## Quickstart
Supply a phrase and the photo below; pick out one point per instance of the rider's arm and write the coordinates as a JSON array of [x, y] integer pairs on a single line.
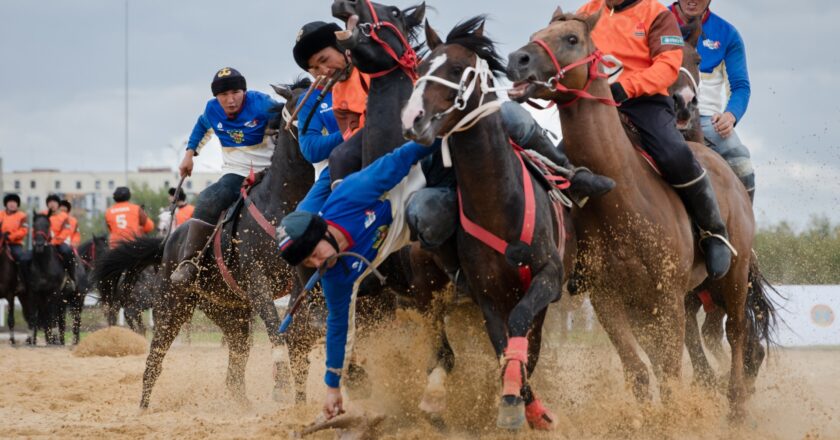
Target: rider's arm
[[20, 232], [364, 187], [338, 293], [145, 222], [201, 134], [64, 233], [315, 146], [665, 46], [735, 61]]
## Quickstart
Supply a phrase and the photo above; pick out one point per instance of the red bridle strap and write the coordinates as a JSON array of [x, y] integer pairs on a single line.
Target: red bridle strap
[[593, 60], [407, 62]]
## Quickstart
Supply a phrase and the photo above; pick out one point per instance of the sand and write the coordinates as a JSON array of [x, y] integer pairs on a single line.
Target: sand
[[50, 393], [111, 342]]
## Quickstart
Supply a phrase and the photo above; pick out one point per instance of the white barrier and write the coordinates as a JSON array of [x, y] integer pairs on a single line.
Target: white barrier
[[809, 315]]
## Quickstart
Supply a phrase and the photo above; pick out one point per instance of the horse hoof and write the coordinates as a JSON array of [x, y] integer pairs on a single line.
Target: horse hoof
[[539, 417], [433, 402], [282, 396], [511, 413]]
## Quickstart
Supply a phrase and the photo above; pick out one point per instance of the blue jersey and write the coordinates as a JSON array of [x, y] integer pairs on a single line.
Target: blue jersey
[[724, 79], [316, 143], [362, 207], [243, 139]]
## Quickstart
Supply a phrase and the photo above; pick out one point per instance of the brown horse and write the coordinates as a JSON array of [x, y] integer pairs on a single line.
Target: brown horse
[[515, 266], [9, 283], [685, 88], [637, 241]]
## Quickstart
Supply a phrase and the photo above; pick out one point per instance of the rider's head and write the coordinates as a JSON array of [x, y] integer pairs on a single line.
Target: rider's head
[[52, 202], [11, 202], [122, 194], [304, 239], [182, 196], [229, 87], [316, 49], [65, 206], [694, 8]]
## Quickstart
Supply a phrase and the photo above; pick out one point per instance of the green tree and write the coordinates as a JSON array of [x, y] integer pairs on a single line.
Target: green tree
[[152, 200]]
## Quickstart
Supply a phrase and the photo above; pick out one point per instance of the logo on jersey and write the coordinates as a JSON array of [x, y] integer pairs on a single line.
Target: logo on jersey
[[381, 233], [219, 126], [711, 45], [251, 124], [324, 105], [237, 135], [223, 72], [640, 30], [672, 40], [370, 217]]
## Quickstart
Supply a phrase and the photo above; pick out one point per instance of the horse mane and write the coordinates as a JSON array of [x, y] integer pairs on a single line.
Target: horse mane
[[301, 82], [465, 34]]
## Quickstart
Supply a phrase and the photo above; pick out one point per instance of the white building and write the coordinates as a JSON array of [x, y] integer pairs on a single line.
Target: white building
[[92, 191]]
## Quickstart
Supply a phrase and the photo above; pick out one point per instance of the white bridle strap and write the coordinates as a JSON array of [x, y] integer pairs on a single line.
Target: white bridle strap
[[691, 78]]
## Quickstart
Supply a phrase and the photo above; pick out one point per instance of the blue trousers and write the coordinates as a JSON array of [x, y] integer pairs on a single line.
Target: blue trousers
[[732, 150]]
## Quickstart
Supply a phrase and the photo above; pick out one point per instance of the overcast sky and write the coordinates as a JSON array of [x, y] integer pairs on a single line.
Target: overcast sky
[[62, 78]]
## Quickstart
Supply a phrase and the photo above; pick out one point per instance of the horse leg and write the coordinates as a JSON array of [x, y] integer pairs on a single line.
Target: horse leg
[[523, 351], [613, 318], [77, 318], [11, 320], [703, 373], [712, 332], [433, 403], [734, 288], [664, 346], [236, 325], [62, 320], [176, 309]]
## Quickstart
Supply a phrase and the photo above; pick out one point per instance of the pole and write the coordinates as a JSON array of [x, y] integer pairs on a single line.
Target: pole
[[125, 158]]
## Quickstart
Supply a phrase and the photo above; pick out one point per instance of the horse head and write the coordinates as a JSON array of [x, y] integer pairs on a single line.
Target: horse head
[[536, 69], [380, 37], [684, 90], [40, 232], [456, 77]]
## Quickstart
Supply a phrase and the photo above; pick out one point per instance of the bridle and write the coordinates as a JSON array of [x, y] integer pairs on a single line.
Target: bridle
[[407, 62], [694, 83], [594, 60]]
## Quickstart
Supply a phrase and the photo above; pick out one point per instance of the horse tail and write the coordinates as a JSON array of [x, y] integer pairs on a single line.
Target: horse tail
[[128, 257], [761, 310]]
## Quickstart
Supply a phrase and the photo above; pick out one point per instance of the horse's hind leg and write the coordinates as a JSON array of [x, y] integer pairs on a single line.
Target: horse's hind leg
[[703, 373], [734, 287], [11, 320], [662, 337], [77, 318], [176, 309], [712, 331], [236, 325], [613, 318]]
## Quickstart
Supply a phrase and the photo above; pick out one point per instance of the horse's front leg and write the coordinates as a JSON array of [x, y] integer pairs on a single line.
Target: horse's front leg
[[703, 373], [519, 403]]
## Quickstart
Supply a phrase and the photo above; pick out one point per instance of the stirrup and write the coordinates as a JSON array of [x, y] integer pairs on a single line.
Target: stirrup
[[194, 262], [706, 234]]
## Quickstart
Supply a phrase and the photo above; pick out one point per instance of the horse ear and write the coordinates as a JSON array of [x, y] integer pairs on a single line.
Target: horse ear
[[696, 32], [283, 91], [479, 31], [592, 20], [558, 13], [432, 38], [415, 17]]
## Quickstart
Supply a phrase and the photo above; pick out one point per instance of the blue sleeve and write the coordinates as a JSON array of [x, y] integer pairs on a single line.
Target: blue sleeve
[[338, 294], [199, 133], [739, 79], [314, 146], [362, 188]]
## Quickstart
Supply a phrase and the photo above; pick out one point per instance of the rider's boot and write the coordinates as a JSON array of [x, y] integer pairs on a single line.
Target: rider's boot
[[701, 203], [69, 262], [525, 131], [197, 235]]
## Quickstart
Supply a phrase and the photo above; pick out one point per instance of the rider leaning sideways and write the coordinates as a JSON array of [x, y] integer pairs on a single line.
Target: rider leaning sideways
[[645, 36], [125, 220], [724, 91], [239, 118]]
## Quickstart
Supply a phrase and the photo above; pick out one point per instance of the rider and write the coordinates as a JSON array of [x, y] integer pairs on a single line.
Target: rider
[[14, 227], [126, 220], [341, 112], [363, 215], [723, 69], [645, 37], [76, 236], [239, 117], [184, 211], [61, 230]]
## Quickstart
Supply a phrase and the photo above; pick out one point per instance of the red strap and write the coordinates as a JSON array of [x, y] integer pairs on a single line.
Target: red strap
[[256, 214], [593, 59], [223, 269], [407, 62], [706, 299]]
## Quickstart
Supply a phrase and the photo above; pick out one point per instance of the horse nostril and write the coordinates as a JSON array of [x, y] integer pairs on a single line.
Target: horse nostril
[[419, 116], [524, 59]]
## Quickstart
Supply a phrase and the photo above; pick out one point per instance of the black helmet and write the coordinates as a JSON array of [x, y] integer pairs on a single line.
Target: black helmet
[[9, 197], [227, 78], [311, 39], [182, 196], [298, 234], [122, 194], [65, 204], [53, 198]]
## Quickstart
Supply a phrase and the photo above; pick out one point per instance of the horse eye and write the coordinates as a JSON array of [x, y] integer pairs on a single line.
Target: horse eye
[[395, 13], [573, 40], [457, 71]]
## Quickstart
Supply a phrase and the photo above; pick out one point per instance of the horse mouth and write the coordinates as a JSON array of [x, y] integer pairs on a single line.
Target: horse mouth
[[522, 90], [683, 124]]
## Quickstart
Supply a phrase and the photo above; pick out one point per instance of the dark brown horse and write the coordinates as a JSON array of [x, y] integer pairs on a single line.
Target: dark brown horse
[[46, 283], [514, 259], [685, 88], [637, 241], [9, 283], [251, 255]]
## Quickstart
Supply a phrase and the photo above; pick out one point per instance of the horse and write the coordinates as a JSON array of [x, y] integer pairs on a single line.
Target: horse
[[9, 283], [47, 282], [685, 89], [247, 249], [511, 244], [637, 241]]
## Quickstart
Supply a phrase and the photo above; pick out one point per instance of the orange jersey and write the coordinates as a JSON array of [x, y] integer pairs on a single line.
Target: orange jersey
[[75, 236], [350, 102], [183, 214], [14, 224], [59, 227], [126, 221], [645, 37]]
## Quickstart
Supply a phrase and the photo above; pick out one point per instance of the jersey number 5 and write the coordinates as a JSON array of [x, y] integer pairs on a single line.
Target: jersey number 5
[[122, 223]]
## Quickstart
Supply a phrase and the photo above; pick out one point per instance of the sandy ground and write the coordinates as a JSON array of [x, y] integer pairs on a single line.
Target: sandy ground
[[49, 393]]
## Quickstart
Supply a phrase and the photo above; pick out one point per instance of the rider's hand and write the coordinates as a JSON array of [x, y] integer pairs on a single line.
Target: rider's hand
[[724, 124], [333, 404], [186, 166]]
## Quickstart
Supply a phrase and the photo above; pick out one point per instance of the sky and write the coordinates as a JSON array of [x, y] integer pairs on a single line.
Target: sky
[[62, 78]]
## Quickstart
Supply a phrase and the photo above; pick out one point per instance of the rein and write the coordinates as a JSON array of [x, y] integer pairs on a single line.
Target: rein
[[694, 83], [407, 62], [593, 60]]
